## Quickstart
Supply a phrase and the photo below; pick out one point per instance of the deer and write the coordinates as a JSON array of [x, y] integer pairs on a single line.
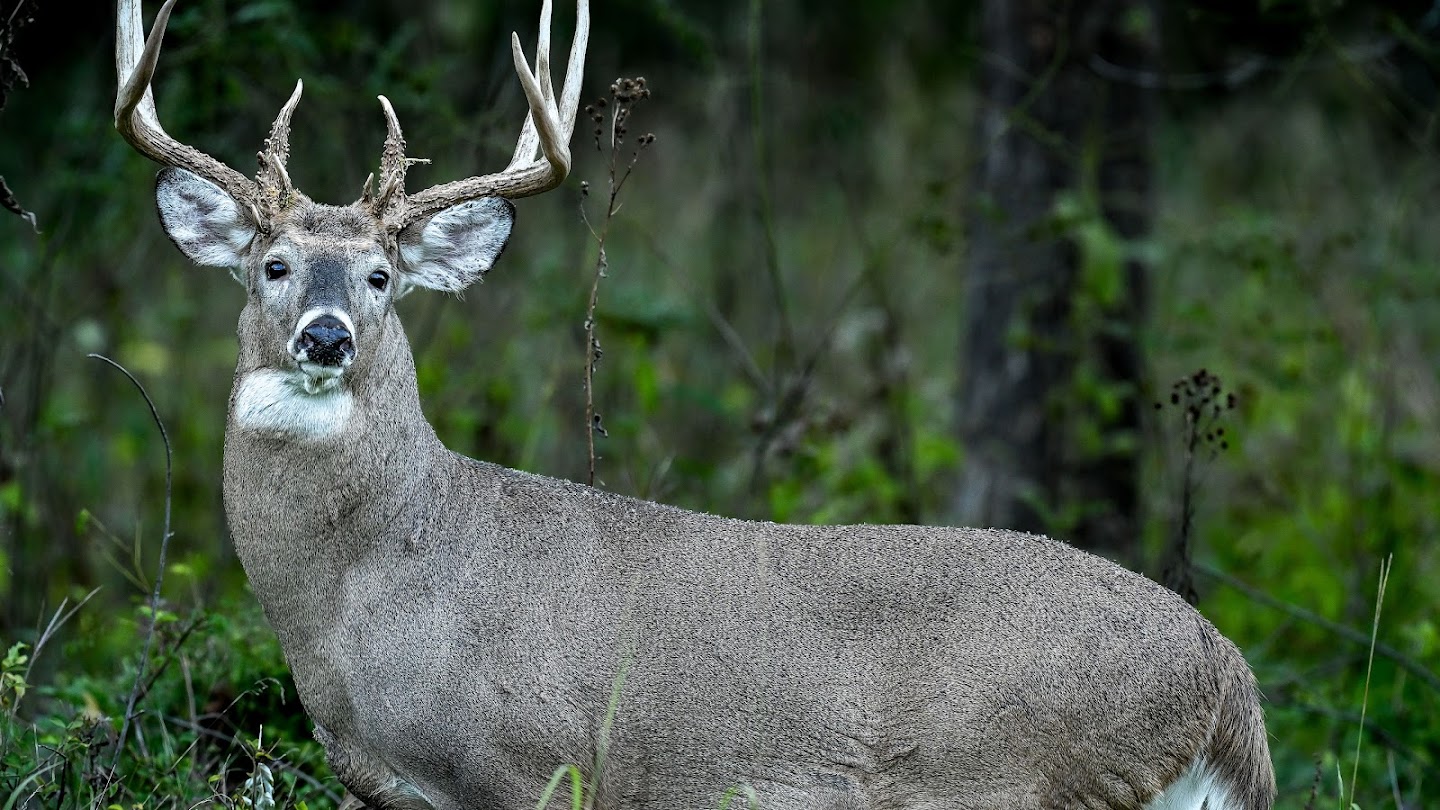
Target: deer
[[457, 630]]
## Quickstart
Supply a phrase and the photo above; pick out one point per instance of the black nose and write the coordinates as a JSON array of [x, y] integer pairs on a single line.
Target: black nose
[[326, 341]]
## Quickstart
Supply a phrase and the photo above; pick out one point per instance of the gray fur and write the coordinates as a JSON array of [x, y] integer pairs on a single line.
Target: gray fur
[[455, 628]]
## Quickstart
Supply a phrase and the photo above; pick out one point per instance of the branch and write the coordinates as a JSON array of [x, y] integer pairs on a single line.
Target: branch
[[626, 93], [1230, 78], [8, 201], [1345, 632], [159, 573], [279, 763]]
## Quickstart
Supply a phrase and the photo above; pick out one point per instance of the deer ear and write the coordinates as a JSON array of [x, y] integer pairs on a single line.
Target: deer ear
[[457, 246], [206, 223]]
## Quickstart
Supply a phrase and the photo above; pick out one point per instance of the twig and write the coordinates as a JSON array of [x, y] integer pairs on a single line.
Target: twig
[[626, 93], [11, 204], [790, 399], [1345, 632], [179, 642], [1202, 401], [785, 345], [727, 331], [56, 622], [893, 389], [593, 353], [1230, 78], [1411, 753], [159, 572], [10, 75], [280, 763]]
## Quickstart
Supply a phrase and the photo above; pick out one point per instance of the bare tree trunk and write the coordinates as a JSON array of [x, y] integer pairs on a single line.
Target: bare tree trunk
[[1049, 126]]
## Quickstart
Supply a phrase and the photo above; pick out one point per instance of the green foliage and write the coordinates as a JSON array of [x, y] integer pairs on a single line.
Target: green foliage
[[12, 676], [1333, 469], [213, 678]]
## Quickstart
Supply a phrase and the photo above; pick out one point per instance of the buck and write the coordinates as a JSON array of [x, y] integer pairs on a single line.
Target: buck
[[456, 629]]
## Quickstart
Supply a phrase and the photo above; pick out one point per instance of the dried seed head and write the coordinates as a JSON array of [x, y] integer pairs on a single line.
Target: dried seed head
[[628, 91]]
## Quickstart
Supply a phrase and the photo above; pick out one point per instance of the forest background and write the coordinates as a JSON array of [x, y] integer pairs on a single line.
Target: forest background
[[906, 261]]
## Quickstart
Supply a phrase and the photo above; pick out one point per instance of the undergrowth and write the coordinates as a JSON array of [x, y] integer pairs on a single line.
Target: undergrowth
[[217, 721]]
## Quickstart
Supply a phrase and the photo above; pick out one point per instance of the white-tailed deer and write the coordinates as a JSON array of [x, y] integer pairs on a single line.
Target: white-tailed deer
[[455, 628]]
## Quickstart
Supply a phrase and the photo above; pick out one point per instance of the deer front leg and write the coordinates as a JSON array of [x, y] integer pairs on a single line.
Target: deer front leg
[[372, 781]]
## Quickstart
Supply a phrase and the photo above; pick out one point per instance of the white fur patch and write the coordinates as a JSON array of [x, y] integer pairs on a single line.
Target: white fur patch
[[1197, 788], [203, 221], [272, 401]]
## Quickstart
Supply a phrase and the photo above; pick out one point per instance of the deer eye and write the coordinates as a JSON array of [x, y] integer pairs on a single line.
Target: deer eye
[[276, 270], [379, 279]]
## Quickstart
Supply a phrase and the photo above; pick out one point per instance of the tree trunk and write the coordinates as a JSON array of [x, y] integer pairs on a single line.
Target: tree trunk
[[1043, 453]]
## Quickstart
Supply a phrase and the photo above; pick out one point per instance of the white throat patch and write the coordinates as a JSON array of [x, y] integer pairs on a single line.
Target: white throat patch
[[272, 401]]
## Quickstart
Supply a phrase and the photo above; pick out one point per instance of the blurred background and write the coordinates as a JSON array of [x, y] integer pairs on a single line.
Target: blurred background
[[1157, 278]]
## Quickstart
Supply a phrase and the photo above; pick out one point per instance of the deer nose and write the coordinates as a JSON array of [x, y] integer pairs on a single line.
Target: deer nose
[[326, 341]]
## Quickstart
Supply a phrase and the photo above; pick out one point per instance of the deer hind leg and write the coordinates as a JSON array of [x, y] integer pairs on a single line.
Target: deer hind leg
[[372, 781]]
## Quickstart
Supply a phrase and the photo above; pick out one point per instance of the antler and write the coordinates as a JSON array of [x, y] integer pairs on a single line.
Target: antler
[[542, 153], [137, 120]]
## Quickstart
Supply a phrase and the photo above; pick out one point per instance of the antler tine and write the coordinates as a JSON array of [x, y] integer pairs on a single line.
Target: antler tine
[[526, 145], [542, 48], [554, 146], [389, 198], [530, 139], [273, 179], [575, 70], [547, 129], [135, 115]]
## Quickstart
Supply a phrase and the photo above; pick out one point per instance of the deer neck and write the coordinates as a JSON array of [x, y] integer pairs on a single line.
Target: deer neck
[[310, 496]]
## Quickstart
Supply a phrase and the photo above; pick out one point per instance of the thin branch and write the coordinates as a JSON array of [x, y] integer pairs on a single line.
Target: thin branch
[[9, 203], [280, 763], [785, 346], [56, 622], [1345, 632], [174, 649], [1230, 78], [159, 572], [626, 93], [593, 353], [790, 398]]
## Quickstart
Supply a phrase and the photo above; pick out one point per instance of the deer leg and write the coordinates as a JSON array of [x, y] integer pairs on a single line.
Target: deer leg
[[372, 781]]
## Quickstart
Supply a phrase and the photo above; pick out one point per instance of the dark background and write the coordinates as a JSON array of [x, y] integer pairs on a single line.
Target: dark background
[[886, 261]]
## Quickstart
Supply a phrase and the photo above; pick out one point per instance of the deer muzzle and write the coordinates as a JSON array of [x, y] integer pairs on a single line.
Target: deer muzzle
[[323, 346], [326, 341]]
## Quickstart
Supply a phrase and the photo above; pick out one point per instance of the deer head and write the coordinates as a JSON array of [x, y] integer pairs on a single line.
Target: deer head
[[321, 279]]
